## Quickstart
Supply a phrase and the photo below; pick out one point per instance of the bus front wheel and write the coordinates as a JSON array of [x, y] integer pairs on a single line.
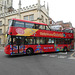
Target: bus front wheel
[[29, 51]]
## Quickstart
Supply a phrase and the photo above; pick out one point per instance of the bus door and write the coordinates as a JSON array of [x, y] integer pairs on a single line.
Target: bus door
[[18, 45]]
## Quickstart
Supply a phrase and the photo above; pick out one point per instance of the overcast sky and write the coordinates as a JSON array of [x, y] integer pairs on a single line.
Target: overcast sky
[[59, 10]]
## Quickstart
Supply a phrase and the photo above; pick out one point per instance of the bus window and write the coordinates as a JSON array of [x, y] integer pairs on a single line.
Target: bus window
[[58, 41], [9, 39], [52, 41], [29, 25], [47, 28], [62, 41], [72, 31], [68, 41], [37, 40], [42, 27], [14, 41], [29, 40], [49, 41], [10, 23], [68, 30], [42, 40], [18, 24], [65, 41], [36, 26]]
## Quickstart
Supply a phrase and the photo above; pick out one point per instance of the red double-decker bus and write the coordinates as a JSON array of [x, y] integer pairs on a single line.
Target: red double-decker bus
[[27, 37]]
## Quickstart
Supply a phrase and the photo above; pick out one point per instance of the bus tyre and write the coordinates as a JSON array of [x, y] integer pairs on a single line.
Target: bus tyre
[[65, 49], [29, 51]]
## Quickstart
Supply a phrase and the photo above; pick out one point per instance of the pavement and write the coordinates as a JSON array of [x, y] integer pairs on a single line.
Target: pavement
[[38, 64], [1, 48], [61, 63]]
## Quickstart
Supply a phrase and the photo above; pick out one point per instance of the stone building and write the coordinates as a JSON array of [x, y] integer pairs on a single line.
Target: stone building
[[37, 13], [51, 22], [64, 25], [5, 4], [74, 34]]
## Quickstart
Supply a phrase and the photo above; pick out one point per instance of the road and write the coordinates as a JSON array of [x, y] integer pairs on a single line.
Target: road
[[38, 64]]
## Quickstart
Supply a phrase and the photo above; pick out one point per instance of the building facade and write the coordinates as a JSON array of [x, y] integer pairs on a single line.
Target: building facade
[[5, 5], [64, 25], [37, 13]]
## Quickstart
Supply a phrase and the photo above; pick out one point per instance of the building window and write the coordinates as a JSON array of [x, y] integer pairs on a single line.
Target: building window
[[0, 23], [25, 17], [31, 17], [42, 18], [46, 21], [0, 31], [7, 1], [9, 21], [1, 9]]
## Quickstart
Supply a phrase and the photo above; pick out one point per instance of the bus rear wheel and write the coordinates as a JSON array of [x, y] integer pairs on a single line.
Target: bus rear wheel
[[29, 51]]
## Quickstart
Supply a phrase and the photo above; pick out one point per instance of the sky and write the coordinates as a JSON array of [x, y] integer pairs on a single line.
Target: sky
[[59, 10]]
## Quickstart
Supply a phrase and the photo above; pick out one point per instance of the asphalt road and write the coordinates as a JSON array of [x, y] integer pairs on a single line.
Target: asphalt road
[[38, 64]]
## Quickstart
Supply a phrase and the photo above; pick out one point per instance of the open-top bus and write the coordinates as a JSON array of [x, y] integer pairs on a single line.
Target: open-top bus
[[27, 37]]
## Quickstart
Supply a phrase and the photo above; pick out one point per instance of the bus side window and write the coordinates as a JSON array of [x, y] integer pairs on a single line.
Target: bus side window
[[29, 25], [29, 40], [37, 40], [49, 40], [18, 24], [14, 41], [47, 28], [65, 42], [53, 41], [42, 27], [70, 41], [36, 26], [42, 40], [18, 41], [26, 42]]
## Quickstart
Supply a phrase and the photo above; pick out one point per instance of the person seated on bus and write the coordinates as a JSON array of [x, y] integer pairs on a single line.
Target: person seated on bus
[[26, 42], [14, 42], [18, 42]]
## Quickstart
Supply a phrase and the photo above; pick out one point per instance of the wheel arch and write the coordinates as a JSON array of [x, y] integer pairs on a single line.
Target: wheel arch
[[31, 49]]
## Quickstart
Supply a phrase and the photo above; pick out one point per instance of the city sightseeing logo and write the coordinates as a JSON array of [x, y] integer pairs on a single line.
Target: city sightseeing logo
[[20, 31]]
